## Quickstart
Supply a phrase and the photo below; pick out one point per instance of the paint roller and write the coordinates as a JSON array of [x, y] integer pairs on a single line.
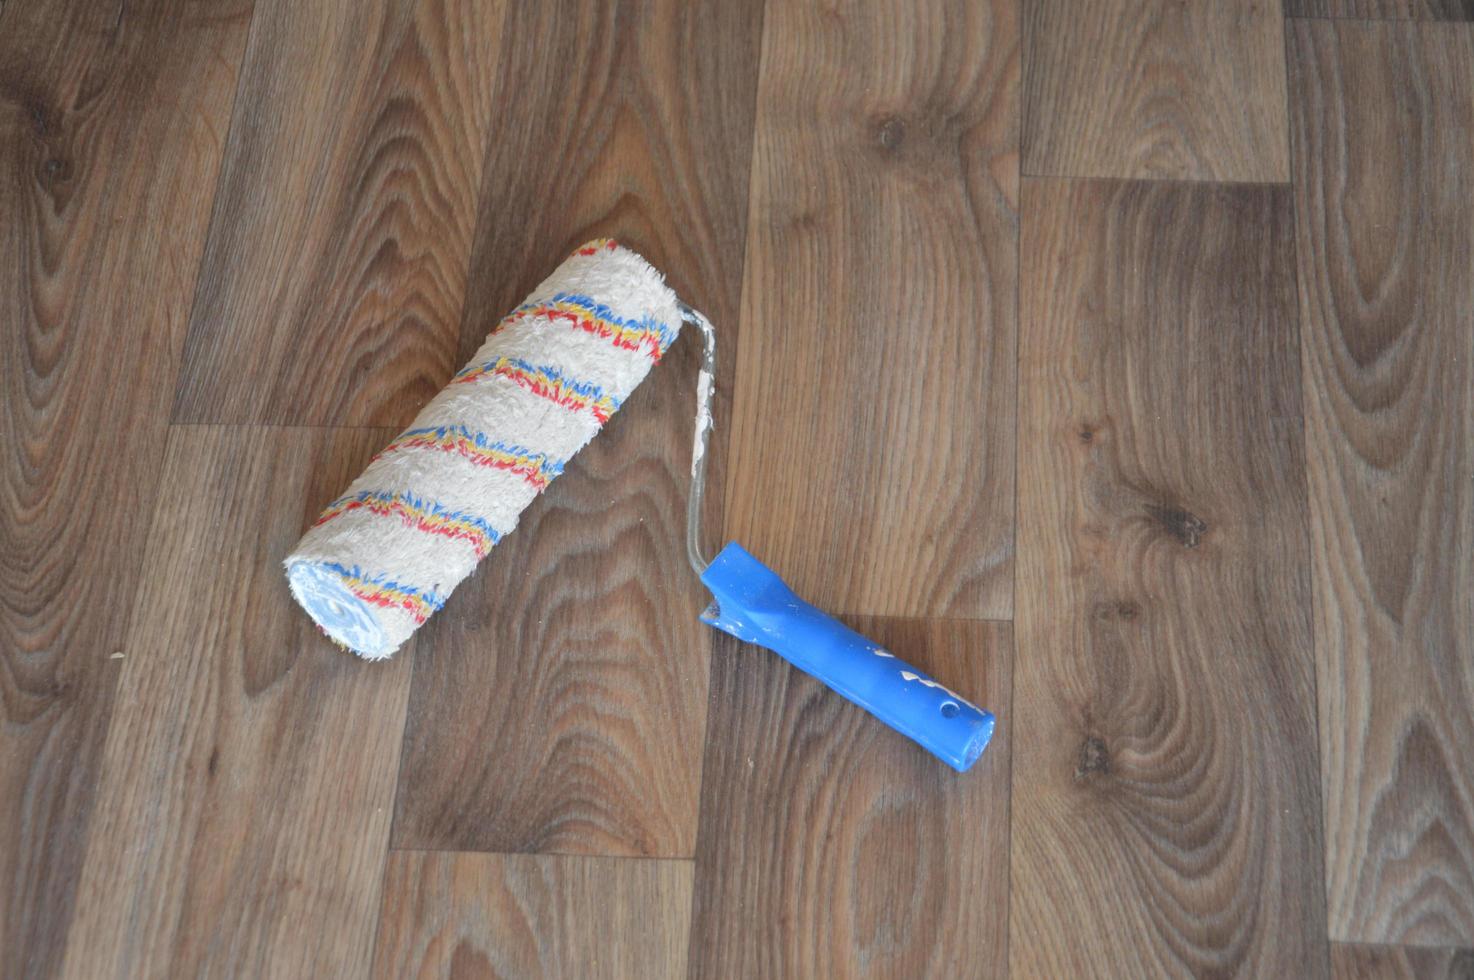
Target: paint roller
[[388, 553]]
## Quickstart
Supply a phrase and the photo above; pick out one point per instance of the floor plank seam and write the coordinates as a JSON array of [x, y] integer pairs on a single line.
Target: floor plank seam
[[1393, 947], [1308, 543], [286, 426], [1420, 21], [1190, 181], [1009, 728], [849, 614], [561, 855]]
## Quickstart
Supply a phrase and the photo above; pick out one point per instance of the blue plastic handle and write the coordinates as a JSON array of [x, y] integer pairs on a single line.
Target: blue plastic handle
[[753, 604]]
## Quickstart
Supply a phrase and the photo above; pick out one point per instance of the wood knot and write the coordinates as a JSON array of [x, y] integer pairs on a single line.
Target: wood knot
[[1124, 610], [54, 171], [891, 133], [40, 119], [807, 221], [1094, 758], [1087, 434], [1184, 526]]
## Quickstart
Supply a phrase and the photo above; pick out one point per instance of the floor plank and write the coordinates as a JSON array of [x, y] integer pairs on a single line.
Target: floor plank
[[495, 915], [872, 452], [1385, 205], [249, 771], [344, 220], [1383, 9], [1177, 89], [1165, 805], [1355, 962], [830, 845], [108, 158], [560, 699]]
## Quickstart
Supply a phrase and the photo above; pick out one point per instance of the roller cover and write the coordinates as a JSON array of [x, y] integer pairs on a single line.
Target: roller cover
[[389, 551]]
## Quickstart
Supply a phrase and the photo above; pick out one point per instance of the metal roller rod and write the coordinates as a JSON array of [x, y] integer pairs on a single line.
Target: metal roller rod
[[705, 388]]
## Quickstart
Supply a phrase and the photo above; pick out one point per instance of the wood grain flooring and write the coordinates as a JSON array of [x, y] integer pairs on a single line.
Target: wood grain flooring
[[108, 158], [1386, 231], [1112, 360], [516, 915], [344, 218], [562, 709], [1174, 89], [1166, 814], [1357, 962], [1383, 9], [231, 703], [831, 848], [880, 277]]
